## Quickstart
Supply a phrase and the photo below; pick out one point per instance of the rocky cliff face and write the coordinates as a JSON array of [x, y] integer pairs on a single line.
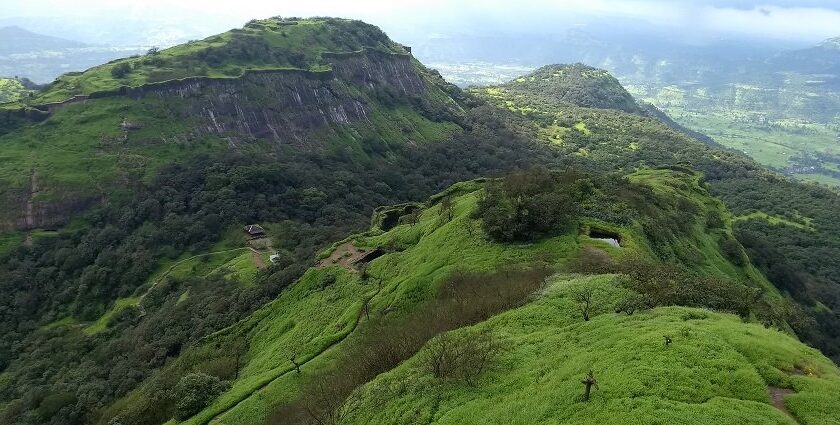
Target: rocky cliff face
[[281, 106], [284, 106]]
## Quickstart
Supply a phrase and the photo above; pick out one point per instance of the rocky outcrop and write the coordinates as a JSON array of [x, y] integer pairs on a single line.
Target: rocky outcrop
[[286, 105], [24, 209]]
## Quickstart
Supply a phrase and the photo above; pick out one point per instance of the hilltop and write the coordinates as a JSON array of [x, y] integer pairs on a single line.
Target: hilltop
[[271, 85], [572, 85], [271, 44]]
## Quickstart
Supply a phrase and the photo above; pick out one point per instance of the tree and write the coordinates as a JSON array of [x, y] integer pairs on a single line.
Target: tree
[[588, 381], [154, 50], [293, 359], [583, 297], [528, 205], [194, 392], [446, 208]]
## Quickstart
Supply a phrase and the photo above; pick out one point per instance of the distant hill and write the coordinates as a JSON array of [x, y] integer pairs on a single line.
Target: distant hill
[[42, 58], [573, 85], [823, 58], [14, 40]]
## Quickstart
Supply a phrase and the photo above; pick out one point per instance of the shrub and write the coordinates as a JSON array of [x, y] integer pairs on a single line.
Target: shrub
[[461, 356], [194, 392], [529, 204], [120, 70]]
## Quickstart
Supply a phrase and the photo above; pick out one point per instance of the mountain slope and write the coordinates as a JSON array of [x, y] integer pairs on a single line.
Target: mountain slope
[[151, 303], [798, 254], [331, 315], [15, 40], [365, 88], [717, 370]]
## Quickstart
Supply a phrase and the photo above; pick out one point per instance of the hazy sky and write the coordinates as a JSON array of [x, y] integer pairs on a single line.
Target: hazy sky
[[805, 20]]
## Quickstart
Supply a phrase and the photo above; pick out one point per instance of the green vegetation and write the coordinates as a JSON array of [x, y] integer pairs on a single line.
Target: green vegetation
[[556, 86], [441, 249], [717, 369], [801, 223], [12, 90], [290, 44], [755, 123], [150, 307], [120, 305]]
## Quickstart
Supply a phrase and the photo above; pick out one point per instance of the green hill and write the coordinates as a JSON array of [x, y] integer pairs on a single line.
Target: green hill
[[717, 367], [274, 85], [271, 44], [577, 85], [133, 295], [716, 370]]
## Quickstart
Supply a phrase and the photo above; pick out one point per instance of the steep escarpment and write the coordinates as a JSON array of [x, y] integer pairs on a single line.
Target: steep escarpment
[[285, 106], [343, 101]]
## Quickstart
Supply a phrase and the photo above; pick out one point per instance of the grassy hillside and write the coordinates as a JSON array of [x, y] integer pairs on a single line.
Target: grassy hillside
[[150, 305], [794, 258], [717, 369], [331, 311]]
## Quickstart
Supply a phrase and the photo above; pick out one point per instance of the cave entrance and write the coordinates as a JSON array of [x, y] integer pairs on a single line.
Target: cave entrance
[[369, 256], [607, 236], [391, 218]]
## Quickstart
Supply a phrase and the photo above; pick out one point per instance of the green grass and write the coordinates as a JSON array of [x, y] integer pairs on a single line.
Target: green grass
[[10, 241], [317, 316], [581, 127], [702, 244], [819, 178], [67, 321], [119, 306], [90, 157], [432, 250], [717, 370]]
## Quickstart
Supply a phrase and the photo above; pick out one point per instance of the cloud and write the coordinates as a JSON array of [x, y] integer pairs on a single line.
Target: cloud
[[793, 19]]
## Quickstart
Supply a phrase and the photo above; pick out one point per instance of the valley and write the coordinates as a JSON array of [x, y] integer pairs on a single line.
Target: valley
[[779, 106]]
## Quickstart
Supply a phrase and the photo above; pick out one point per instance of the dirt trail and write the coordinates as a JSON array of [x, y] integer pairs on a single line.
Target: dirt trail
[[346, 255], [257, 259], [778, 396]]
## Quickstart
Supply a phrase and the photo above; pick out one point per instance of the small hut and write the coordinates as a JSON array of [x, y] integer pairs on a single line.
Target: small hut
[[255, 231]]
